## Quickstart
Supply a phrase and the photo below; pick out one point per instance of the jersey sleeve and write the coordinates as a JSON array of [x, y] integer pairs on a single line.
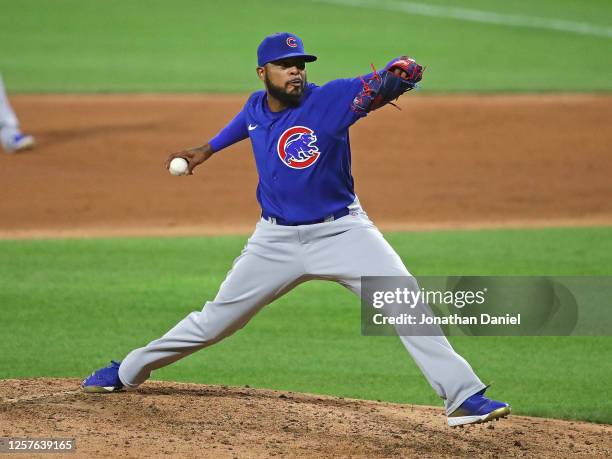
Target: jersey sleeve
[[234, 132], [339, 95]]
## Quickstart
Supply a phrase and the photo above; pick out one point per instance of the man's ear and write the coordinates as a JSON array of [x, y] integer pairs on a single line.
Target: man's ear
[[261, 72]]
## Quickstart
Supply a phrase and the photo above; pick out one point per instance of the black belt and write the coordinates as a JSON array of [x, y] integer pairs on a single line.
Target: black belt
[[281, 221]]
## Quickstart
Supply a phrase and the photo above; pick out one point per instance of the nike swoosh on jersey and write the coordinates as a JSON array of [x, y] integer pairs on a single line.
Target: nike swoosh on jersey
[[252, 127]]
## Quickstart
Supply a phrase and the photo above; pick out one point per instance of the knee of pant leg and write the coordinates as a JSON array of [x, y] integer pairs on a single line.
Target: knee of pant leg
[[217, 322], [396, 269]]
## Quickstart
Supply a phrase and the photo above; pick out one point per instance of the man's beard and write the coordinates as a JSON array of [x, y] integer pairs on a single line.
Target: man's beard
[[279, 93]]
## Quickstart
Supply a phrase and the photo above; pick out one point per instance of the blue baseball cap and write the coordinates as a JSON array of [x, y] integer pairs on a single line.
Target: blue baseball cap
[[281, 46]]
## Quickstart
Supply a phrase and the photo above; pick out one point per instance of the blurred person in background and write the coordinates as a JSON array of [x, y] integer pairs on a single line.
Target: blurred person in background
[[11, 137]]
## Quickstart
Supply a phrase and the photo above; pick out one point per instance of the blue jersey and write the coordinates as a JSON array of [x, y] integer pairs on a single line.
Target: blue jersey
[[303, 155]]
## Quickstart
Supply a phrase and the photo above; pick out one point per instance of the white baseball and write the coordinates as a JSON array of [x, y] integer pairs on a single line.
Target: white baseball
[[178, 166]]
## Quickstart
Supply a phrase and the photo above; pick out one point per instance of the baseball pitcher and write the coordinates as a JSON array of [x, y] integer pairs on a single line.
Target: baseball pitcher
[[312, 225]]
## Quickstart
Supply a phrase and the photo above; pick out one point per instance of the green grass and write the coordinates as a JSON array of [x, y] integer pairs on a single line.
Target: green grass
[[195, 45], [68, 306]]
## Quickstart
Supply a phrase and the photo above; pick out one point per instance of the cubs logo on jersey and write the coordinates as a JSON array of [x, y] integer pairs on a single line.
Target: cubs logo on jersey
[[297, 147]]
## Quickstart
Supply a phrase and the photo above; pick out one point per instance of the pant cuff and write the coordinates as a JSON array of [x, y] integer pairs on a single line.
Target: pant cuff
[[463, 396], [124, 382]]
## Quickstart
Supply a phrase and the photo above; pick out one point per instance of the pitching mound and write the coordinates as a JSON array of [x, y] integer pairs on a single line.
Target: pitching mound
[[196, 420]]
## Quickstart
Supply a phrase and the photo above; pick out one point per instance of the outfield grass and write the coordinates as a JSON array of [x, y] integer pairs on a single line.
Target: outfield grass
[[194, 45], [68, 306]]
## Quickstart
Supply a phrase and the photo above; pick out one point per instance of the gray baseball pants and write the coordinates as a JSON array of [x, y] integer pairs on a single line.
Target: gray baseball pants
[[275, 260]]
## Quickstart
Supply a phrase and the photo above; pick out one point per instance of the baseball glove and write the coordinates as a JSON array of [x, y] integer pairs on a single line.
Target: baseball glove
[[399, 75]]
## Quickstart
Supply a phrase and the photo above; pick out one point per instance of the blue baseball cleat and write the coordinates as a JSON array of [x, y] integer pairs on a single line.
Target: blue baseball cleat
[[104, 380], [477, 409]]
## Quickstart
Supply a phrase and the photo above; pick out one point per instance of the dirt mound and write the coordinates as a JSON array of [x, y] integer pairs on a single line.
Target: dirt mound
[[191, 420], [444, 161]]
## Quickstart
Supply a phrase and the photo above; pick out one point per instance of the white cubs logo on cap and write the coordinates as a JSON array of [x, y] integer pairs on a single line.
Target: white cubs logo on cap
[[297, 147], [291, 42]]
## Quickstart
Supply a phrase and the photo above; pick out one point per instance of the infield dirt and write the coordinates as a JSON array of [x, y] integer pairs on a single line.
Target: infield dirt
[[441, 162], [189, 420]]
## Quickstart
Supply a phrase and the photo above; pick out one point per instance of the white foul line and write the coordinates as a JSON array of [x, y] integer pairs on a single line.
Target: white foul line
[[487, 17]]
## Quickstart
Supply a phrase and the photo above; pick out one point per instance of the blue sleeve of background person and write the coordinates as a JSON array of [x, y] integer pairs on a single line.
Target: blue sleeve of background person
[[234, 132], [338, 96]]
